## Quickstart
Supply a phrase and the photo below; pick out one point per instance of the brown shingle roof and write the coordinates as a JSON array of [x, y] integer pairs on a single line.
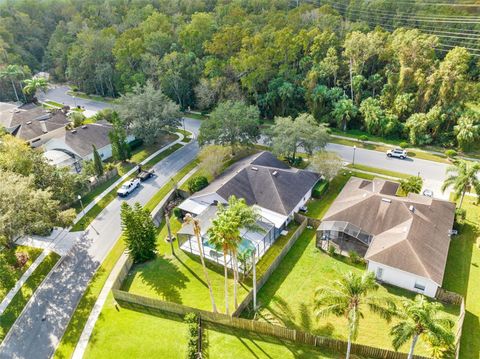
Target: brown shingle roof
[[264, 180], [410, 233]]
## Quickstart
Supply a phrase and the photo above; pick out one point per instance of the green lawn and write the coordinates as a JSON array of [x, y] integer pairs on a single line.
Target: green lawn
[[380, 171], [91, 97], [54, 104], [244, 344], [462, 275], [179, 278], [25, 293], [9, 271], [288, 296]]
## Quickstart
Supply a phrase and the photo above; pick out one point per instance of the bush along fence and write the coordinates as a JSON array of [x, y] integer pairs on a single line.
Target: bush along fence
[[456, 299], [157, 306]]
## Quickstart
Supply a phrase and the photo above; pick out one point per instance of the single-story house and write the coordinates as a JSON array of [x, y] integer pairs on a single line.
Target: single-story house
[[405, 240], [32, 123], [76, 145], [266, 183]]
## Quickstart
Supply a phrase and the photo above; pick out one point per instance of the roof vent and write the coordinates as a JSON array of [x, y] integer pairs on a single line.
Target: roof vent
[[386, 200], [275, 173], [73, 131], [412, 209], [254, 168], [29, 122]]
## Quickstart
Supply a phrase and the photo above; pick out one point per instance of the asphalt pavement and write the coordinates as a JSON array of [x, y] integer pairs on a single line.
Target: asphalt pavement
[[38, 330]]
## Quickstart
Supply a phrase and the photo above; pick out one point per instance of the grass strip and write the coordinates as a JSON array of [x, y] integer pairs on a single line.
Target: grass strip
[[22, 297], [162, 192], [104, 202], [91, 97], [55, 104], [380, 171]]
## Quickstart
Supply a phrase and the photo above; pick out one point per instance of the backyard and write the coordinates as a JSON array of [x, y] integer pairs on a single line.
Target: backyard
[[462, 276], [288, 296], [165, 336]]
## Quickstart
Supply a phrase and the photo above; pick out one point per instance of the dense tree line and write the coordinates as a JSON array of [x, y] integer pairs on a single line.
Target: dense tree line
[[285, 60]]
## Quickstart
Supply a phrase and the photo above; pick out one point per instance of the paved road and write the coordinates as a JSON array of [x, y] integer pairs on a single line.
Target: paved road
[[433, 173], [59, 94], [36, 333]]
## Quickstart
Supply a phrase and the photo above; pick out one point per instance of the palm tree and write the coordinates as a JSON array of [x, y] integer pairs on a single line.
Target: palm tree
[[462, 176], [467, 130], [188, 219], [421, 318], [246, 218], [344, 111], [347, 297], [34, 84], [12, 72], [412, 184], [222, 235]]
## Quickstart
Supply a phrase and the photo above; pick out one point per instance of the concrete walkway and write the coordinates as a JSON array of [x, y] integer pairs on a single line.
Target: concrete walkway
[[95, 313]]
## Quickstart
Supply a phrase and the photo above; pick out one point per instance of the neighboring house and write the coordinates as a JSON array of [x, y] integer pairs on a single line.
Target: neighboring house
[[405, 240], [76, 145], [266, 183], [33, 124]]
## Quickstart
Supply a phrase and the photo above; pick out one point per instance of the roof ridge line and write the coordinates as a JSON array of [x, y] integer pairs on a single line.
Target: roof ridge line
[[276, 191], [418, 258]]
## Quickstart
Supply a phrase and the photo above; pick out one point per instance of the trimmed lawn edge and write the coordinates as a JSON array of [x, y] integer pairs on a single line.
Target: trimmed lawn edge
[[20, 300]]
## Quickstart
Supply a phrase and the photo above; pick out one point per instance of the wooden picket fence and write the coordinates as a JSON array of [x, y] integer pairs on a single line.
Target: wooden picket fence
[[134, 301]]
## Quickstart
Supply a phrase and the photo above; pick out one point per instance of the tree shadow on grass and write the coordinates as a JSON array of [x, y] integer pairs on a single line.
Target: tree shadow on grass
[[163, 276]]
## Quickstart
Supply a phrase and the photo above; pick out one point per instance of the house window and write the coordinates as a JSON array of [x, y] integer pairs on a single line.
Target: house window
[[419, 285], [379, 273]]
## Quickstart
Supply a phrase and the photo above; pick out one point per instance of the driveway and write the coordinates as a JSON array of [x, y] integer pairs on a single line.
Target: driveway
[[36, 333]]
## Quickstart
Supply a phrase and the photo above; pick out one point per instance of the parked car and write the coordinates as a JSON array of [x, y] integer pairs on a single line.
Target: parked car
[[428, 192], [143, 175], [128, 187], [398, 153]]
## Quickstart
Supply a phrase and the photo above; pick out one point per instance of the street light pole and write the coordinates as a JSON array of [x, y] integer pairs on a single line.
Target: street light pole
[[74, 101], [83, 211], [354, 149]]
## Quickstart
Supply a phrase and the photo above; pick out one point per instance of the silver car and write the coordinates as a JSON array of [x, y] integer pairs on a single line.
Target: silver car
[[398, 153]]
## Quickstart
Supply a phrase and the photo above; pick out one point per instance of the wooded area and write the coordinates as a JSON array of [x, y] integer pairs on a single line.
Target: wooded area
[[347, 69]]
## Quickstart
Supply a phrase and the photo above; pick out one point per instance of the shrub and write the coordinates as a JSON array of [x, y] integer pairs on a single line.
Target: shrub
[[197, 183], [354, 257], [294, 162], [192, 335], [363, 138], [404, 144], [177, 212], [109, 166], [460, 214], [331, 250], [450, 153], [22, 259], [319, 189], [135, 143]]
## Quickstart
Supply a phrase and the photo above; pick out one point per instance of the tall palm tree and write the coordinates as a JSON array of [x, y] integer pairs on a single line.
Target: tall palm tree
[[34, 84], [222, 235], [344, 111], [462, 176], [12, 72], [246, 218], [348, 297], [188, 219], [421, 318]]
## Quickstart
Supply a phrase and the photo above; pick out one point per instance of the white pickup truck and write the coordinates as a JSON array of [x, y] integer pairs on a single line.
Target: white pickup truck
[[128, 187]]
